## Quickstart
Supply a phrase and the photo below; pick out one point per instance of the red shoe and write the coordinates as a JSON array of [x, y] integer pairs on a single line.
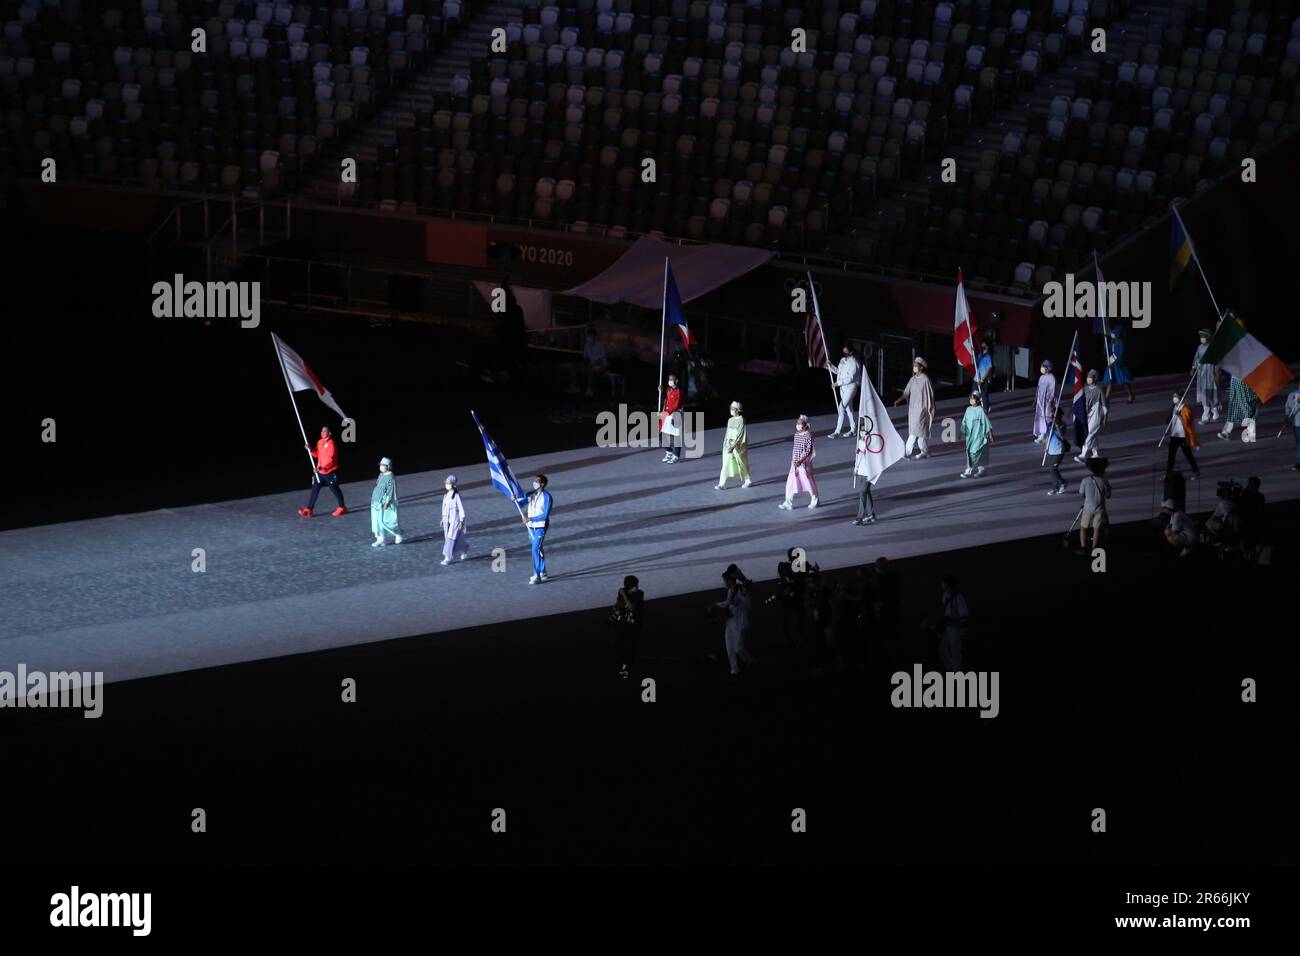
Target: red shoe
[[305, 512], [338, 511]]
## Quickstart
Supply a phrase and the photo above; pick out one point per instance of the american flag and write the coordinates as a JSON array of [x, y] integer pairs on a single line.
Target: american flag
[[813, 334]]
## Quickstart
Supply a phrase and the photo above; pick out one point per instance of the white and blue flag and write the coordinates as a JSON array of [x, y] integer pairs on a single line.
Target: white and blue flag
[[502, 477]]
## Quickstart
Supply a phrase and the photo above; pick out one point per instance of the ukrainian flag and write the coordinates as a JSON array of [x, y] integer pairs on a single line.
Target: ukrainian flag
[[1180, 249]]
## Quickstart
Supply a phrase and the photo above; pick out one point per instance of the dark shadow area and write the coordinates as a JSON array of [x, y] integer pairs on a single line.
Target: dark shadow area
[[1119, 690]]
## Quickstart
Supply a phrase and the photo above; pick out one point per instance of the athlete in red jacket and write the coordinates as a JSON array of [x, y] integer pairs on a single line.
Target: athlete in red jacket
[[327, 463], [670, 423]]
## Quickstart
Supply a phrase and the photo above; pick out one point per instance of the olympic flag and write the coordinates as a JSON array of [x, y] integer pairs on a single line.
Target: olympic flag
[[879, 444]]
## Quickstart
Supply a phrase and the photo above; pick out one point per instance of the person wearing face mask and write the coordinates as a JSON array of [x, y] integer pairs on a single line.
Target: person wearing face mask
[[735, 450], [984, 375], [454, 546], [383, 506], [1182, 434], [919, 395], [670, 421], [1044, 401], [1056, 449], [978, 430], [801, 477], [846, 377], [327, 463], [537, 522], [1117, 371], [1292, 414], [1207, 381], [1095, 403]]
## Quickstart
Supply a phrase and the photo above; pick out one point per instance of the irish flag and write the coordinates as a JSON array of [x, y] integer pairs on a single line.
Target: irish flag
[[1241, 355]]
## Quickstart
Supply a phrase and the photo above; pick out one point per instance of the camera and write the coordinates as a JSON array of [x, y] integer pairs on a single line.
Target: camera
[[1231, 490]]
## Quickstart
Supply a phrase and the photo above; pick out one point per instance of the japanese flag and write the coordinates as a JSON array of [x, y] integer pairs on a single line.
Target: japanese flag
[[301, 377]]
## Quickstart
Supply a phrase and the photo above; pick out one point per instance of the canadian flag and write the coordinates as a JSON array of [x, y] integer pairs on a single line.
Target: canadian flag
[[301, 377], [963, 335]]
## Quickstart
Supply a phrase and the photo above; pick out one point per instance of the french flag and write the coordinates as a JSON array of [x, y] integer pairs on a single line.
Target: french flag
[[674, 314]]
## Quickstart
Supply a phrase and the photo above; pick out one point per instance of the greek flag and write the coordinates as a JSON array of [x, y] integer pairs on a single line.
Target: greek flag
[[502, 477]]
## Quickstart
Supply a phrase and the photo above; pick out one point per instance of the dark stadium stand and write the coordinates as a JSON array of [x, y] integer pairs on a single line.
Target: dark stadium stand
[[117, 95], [838, 149]]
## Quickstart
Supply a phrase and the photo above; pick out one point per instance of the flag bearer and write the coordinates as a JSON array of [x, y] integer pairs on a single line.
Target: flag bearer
[[537, 523], [847, 374], [327, 464]]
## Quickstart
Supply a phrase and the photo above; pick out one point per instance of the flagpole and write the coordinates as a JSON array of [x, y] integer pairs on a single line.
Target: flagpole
[[1165, 434], [531, 536], [970, 332], [512, 497], [1196, 259], [296, 414], [862, 396], [1105, 328], [663, 328], [1060, 395], [817, 312]]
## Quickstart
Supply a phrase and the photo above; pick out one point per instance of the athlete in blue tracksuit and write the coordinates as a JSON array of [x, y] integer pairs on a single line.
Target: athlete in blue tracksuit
[[538, 520]]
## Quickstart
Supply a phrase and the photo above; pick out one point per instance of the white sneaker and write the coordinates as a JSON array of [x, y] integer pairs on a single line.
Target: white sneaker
[[446, 561], [833, 435], [813, 504], [667, 455], [464, 556], [1079, 459], [1214, 415], [1205, 418], [786, 505], [673, 459], [533, 579], [979, 472], [721, 487], [966, 474], [543, 577], [746, 483], [397, 539], [378, 542], [924, 454]]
